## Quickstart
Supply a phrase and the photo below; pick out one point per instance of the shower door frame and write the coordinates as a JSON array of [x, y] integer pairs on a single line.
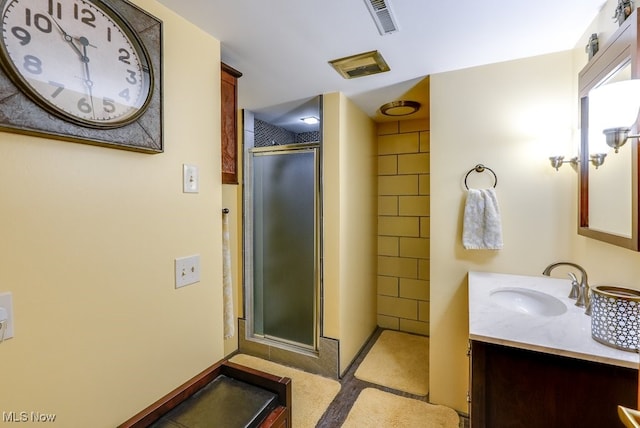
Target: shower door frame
[[248, 256]]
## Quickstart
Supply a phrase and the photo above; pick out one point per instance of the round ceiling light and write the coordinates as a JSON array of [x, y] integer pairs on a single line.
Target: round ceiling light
[[400, 108]]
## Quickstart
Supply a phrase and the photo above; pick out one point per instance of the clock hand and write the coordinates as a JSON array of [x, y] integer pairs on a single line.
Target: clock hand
[[67, 38], [87, 81]]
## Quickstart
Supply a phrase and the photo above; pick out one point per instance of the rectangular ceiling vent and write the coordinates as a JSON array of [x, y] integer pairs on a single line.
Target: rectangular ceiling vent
[[360, 65], [382, 15]]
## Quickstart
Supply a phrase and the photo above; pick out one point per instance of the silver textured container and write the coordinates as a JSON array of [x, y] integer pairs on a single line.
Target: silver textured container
[[615, 317]]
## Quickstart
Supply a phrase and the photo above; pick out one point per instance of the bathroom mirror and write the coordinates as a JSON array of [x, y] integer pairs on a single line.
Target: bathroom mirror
[[608, 194]]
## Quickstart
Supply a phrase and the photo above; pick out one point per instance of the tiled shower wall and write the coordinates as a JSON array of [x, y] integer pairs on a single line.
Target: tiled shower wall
[[267, 134], [403, 225]]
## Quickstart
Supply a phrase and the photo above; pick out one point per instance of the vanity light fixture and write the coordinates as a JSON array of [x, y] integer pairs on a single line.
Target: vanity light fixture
[[616, 137], [596, 160], [618, 104], [310, 120], [557, 161]]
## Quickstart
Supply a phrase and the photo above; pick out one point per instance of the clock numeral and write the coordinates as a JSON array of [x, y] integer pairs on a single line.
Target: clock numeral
[[108, 105], [87, 16], [124, 55], [125, 94], [32, 64], [21, 34], [109, 34], [59, 88], [57, 9], [132, 77], [40, 21], [84, 106]]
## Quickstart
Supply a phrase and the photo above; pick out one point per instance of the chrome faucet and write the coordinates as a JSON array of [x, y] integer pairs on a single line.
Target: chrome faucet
[[582, 295]]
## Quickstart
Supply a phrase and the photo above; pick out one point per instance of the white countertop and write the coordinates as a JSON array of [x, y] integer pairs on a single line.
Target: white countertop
[[568, 334]]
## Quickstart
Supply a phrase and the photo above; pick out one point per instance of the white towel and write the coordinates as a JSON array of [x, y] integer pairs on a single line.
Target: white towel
[[227, 283], [482, 226]]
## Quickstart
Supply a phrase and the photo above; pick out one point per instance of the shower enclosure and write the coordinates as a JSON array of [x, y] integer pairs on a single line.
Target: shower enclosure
[[282, 244]]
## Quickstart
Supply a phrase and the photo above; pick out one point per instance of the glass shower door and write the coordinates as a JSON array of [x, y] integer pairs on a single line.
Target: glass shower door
[[285, 267]]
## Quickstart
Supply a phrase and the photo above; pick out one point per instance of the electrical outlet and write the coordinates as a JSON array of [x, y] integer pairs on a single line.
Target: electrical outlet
[[187, 270], [6, 302]]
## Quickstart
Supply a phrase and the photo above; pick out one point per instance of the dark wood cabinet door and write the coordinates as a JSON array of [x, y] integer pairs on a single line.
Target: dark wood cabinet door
[[517, 388], [229, 108]]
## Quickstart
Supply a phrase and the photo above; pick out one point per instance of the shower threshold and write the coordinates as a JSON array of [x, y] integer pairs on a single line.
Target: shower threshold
[[284, 344]]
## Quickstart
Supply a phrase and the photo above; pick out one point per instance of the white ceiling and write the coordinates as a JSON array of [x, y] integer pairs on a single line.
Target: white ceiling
[[282, 47]]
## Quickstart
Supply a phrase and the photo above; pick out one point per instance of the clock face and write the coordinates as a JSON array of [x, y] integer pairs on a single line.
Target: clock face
[[77, 59]]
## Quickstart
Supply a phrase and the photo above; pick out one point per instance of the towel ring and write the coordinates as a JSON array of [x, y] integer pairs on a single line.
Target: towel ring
[[481, 168]]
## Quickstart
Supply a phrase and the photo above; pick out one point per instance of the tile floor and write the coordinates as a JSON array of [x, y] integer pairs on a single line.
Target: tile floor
[[351, 386]]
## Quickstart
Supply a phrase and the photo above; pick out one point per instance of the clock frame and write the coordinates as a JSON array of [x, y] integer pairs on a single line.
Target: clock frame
[[20, 113]]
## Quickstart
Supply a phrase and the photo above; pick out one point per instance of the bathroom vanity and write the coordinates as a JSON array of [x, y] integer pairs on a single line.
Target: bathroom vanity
[[533, 361]]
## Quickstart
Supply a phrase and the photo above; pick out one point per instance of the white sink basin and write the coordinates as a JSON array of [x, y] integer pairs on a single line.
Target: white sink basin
[[528, 301]]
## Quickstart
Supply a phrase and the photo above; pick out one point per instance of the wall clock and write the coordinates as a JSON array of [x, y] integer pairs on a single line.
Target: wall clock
[[85, 71]]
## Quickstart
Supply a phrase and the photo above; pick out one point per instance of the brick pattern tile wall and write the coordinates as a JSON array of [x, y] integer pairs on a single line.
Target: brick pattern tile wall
[[403, 226]]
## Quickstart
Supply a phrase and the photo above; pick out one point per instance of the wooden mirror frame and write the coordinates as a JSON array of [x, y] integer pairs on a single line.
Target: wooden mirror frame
[[621, 49]]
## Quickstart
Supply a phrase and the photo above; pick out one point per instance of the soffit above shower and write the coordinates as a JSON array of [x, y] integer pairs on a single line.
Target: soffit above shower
[[288, 115]]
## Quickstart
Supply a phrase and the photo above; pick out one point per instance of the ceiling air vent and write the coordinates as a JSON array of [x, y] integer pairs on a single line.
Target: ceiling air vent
[[360, 65], [382, 15]]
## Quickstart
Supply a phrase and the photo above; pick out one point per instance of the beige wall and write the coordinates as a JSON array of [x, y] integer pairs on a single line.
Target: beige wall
[[480, 116], [403, 225], [89, 238], [349, 221]]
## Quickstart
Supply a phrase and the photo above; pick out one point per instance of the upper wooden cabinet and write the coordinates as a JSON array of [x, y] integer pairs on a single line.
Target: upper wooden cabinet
[[229, 97]]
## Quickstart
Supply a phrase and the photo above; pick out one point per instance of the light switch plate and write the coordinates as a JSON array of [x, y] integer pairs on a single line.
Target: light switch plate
[[6, 302], [187, 270], [190, 179]]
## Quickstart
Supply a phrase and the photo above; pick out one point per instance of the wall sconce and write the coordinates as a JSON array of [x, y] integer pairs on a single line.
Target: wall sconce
[[613, 107], [562, 139], [596, 160], [616, 137], [616, 110], [557, 161]]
